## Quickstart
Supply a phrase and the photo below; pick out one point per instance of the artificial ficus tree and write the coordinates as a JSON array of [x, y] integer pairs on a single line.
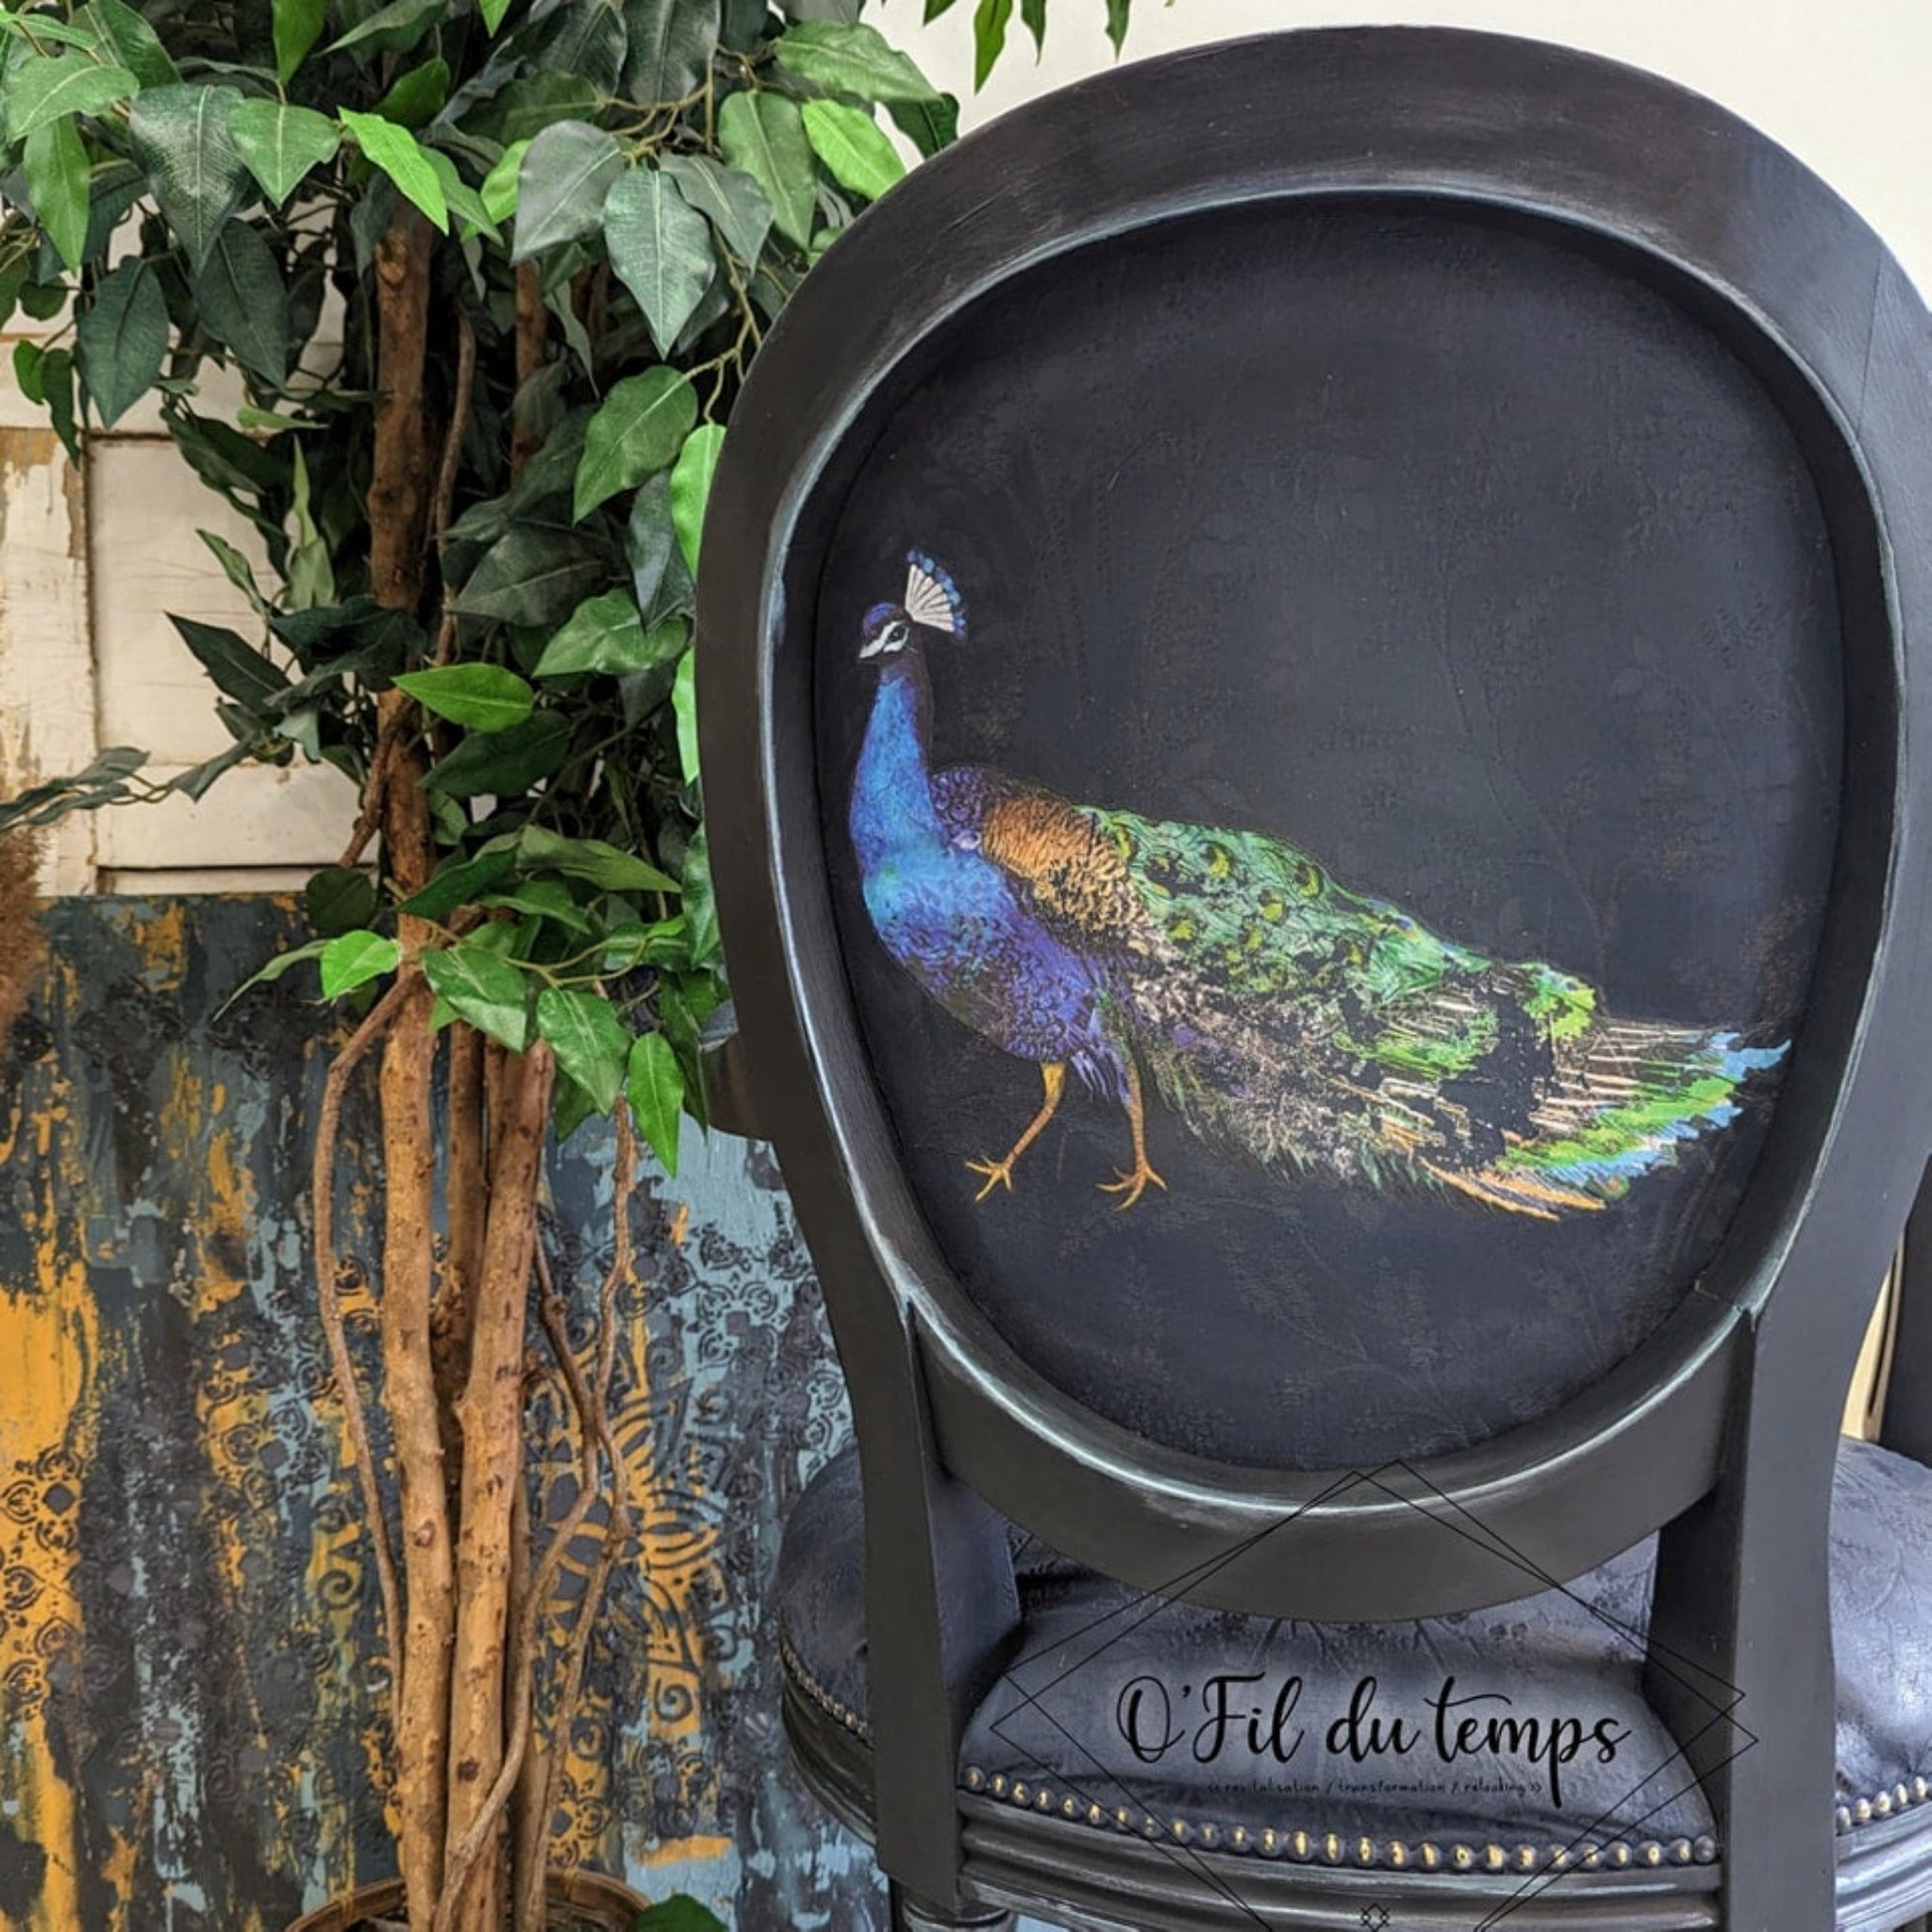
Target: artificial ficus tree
[[490, 272]]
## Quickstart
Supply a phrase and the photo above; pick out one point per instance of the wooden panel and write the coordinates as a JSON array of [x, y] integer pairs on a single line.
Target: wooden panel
[[46, 670], [150, 565]]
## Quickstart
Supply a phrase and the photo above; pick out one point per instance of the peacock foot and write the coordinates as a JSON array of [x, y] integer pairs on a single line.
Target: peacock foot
[[999, 1174], [1130, 1186]]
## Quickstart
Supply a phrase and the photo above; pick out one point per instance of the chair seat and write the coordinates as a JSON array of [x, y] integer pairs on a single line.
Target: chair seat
[[1515, 1738]]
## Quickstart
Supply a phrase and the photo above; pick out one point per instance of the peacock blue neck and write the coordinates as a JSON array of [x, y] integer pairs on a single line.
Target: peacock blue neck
[[892, 809]]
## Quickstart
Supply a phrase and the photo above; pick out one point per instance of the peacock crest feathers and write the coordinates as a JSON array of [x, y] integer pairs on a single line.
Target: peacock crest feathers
[[932, 598]]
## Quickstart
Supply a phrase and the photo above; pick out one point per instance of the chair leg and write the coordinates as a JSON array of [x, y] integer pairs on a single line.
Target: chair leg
[[908, 1914]]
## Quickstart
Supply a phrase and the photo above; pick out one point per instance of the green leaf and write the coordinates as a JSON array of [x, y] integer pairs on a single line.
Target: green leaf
[[236, 569], [103, 782], [638, 430], [700, 904], [670, 48], [123, 338], [400, 156], [500, 185], [504, 762], [53, 86], [691, 487], [183, 138], [1034, 13], [856, 150], [591, 1043], [606, 634], [463, 201], [1117, 21], [43, 300], [237, 669], [280, 143], [280, 964], [649, 539], [684, 703], [654, 1087], [13, 281], [543, 899], [460, 882], [338, 899], [527, 105], [565, 174], [47, 26], [124, 36], [935, 7], [930, 126], [533, 575], [591, 859], [244, 303], [30, 368], [57, 381], [852, 60], [297, 25], [679, 1913], [391, 29], [417, 97], [736, 205], [493, 11], [660, 247], [55, 161], [483, 698], [588, 38], [354, 958], [486, 991], [764, 135], [570, 1107], [990, 19]]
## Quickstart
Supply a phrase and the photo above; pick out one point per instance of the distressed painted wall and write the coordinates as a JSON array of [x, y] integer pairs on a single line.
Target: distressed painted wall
[[186, 1742]]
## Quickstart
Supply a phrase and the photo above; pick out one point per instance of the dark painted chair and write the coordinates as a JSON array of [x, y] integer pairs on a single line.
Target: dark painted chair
[[1364, 594]]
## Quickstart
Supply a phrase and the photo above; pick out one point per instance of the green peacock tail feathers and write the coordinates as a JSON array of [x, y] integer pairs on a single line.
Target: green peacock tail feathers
[[1317, 1029]]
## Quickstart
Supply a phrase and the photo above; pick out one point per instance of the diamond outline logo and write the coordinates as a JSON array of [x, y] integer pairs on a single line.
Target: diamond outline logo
[[1401, 1482]]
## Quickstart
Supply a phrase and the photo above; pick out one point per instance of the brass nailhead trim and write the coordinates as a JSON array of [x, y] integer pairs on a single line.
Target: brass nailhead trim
[[1701, 1851]]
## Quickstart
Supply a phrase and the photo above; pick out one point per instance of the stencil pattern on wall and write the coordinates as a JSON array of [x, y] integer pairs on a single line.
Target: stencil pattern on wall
[[188, 1731]]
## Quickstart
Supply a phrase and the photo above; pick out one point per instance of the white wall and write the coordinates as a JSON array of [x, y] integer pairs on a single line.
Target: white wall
[[1842, 83]]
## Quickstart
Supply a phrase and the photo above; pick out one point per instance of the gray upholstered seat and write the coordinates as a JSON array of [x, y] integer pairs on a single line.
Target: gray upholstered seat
[[1051, 1739]]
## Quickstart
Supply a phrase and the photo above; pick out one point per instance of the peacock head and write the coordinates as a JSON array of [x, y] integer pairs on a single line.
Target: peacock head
[[932, 602]]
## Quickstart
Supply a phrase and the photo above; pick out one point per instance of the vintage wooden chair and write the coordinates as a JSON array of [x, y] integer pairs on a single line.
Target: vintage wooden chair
[[1364, 592]]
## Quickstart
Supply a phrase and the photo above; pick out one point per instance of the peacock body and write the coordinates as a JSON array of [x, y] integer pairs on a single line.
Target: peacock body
[[1279, 1015]]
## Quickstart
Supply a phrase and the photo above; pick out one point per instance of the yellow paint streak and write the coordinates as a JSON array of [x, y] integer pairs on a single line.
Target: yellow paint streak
[[234, 1413], [685, 1851], [49, 1346]]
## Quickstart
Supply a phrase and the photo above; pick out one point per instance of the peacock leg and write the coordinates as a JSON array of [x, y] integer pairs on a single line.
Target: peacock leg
[[999, 1174], [1132, 1186]]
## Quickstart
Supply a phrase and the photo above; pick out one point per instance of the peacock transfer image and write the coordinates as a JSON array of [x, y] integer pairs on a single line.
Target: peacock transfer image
[[1279, 844]]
